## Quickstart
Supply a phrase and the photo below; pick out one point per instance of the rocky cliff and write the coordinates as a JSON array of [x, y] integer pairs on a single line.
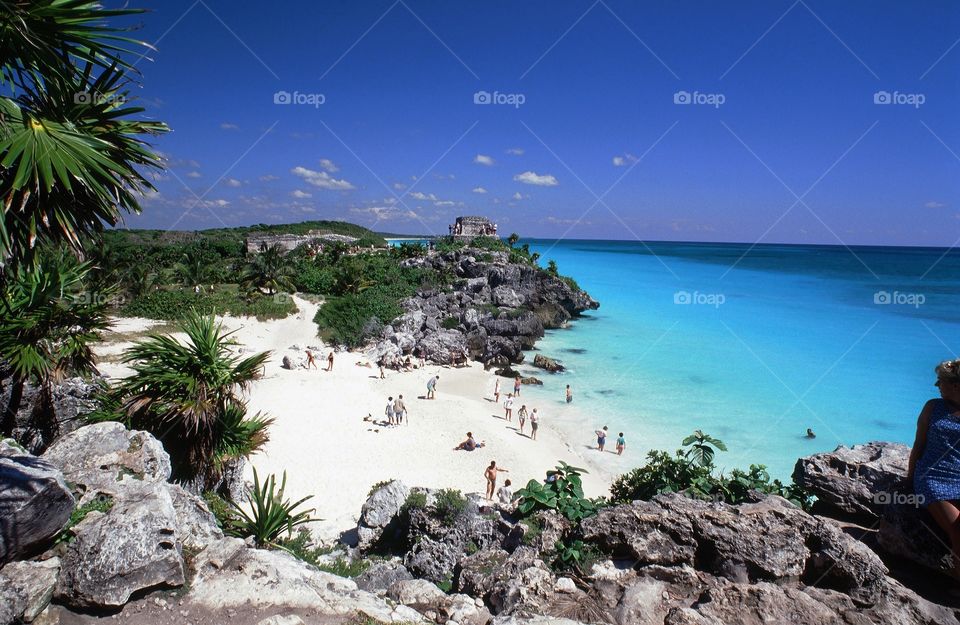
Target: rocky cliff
[[491, 311]]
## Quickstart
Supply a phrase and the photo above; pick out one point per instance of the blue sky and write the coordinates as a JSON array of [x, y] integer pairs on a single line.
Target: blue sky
[[734, 121]]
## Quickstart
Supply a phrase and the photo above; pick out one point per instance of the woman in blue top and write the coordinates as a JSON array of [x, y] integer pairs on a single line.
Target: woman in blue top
[[935, 459]]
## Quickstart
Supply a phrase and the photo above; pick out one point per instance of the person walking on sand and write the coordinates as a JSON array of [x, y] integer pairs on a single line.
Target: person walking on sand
[[432, 387], [496, 391], [508, 408], [330, 361], [522, 414], [311, 361], [380, 364], [601, 438], [569, 394], [534, 424], [516, 386], [491, 475], [621, 444], [388, 411], [400, 410]]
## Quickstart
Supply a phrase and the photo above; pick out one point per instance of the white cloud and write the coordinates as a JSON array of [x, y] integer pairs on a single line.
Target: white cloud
[[417, 195], [269, 178], [445, 203], [934, 204], [386, 213], [479, 190], [620, 161], [515, 151], [194, 174], [301, 194], [229, 126], [399, 186], [540, 180], [232, 182], [483, 159], [321, 179], [517, 196], [329, 165]]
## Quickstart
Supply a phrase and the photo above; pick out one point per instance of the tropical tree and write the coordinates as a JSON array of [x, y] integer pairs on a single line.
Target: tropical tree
[[552, 268], [268, 270], [47, 322], [193, 268], [513, 238], [189, 395], [73, 154], [350, 278]]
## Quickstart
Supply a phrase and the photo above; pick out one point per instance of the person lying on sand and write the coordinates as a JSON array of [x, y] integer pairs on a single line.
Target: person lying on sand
[[470, 444], [360, 363]]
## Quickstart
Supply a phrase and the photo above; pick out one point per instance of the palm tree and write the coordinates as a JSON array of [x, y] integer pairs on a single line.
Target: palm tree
[[189, 395], [268, 270], [72, 152], [47, 322], [349, 278], [193, 268], [513, 238]]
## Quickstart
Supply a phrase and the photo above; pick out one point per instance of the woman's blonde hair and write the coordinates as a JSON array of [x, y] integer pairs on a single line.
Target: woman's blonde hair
[[949, 371]]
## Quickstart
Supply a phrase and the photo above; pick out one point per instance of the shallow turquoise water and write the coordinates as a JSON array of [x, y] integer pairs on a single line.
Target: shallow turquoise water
[[775, 339]]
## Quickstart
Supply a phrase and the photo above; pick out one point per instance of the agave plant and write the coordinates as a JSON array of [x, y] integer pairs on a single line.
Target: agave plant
[[270, 514], [72, 151], [48, 319], [189, 396]]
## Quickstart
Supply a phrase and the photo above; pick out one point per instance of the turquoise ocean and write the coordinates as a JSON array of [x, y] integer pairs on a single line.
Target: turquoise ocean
[[750, 344]]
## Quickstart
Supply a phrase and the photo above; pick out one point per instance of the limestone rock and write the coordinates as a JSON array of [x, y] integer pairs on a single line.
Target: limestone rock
[[418, 593], [71, 399], [380, 576], [291, 619], [130, 548], [548, 364], [35, 502], [379, 513], [26, 589], [196, 525]]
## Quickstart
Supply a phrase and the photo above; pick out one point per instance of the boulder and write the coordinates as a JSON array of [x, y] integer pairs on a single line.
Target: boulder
[[442, 346], [196, 525], [26, 589], [381, 575], [548, 364], [417, 593], [107, 457], [909, 532], [506, 297], [531, 381], [379, 512], [70, 399], [854, 481], [287, 362], [35, 502], [132, 547]]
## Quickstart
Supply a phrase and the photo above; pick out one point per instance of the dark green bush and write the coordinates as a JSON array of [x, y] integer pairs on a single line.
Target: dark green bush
[[450, 323], [449, 505], [171, 305], [563, 494]]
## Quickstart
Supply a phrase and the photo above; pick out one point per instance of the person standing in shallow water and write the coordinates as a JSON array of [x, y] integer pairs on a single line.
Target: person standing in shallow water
[[569, 394], [934, 467]]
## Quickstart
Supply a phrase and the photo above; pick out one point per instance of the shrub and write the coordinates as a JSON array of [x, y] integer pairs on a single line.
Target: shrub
[[302, 547], [219, 507], [270, 513], [450, 323], [416, 500], [100, 503], [563, 493], [347, 318], [171, 305], [378, 486], [449, 505]]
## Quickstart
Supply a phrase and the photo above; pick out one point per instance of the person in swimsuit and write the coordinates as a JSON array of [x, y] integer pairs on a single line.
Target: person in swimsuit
[[601, 438], [621, 444], [516, 386], [389, 410], [491, 475], [432, 387], [810, 433], [508, 407], [496, 391], [534, 424], [934, 467], [399, 410], [311, 362], [569, 394], [330, 361], [522, 414], [470, 444]]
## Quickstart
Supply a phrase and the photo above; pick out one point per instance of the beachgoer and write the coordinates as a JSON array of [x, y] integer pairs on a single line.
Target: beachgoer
[[534, 424], [491, 475], [423, 357], [389, 410], [400, 410], [496, 391], [508, 407], [380, 364], [516, 386], [504, 494], [330, 361], [621, 444], [432, 387], [311, 361], [810, 433], [470, 444], [934, 467], [522, 414], [569, 394], [601, 438]]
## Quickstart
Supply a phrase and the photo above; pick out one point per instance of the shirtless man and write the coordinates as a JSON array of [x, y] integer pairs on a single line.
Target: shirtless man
[[491, 475], [400, 410], [311, 362]]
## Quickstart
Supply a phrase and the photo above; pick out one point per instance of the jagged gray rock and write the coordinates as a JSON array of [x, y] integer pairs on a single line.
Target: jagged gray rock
[[380, 512], [857, 481], [132, 547], [70, 400], [26, 589], [35, 502], [548, 364], [381, 575]]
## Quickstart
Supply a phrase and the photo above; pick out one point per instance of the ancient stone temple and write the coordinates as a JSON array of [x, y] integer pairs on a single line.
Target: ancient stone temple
[[258, 241], [473, 227]]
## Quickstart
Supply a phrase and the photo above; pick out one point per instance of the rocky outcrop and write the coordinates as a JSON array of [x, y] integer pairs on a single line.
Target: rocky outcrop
[[380, 514], [26, 589], [548, 364], [35, 502], [36, 426], [494, 310], [854, 481]]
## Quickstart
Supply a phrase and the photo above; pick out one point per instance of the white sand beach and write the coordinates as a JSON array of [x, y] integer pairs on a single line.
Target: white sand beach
[[320, 437]]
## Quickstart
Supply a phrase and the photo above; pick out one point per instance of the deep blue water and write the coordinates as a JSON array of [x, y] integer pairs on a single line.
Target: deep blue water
[[752, 345]]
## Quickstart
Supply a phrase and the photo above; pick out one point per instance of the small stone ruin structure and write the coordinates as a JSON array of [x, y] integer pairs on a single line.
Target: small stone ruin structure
[[470, 227]]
